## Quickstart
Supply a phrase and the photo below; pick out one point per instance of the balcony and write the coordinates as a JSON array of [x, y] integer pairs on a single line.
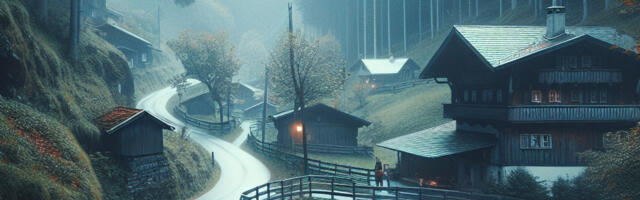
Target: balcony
[[586, 76], [544, 113]]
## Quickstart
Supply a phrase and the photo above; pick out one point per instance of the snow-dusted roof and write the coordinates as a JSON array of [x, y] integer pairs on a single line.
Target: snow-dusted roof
[[384, 65]]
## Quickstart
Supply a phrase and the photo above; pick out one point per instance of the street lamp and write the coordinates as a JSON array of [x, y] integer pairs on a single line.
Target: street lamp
[[299, 128]]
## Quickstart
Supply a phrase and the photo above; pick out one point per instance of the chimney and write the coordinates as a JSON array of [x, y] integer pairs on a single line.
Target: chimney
[[555, 21]]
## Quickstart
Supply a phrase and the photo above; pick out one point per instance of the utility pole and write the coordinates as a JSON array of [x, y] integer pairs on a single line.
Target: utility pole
[[229, 106], [358, 27], [404, 21], [158, 24], [299, 89], [389, 27], [364, 31], [437, 15], [375, 37], [264, 103]]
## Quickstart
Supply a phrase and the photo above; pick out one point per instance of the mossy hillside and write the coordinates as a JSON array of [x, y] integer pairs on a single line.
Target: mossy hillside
[[40, 159], [45, 79]]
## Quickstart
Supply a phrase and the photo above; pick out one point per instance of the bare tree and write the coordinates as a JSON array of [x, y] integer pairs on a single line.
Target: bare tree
[[210, 59]]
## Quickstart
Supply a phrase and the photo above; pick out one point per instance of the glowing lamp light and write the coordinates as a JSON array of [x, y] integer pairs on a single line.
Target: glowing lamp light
[[373, 85], [299, 127], [433, 183]]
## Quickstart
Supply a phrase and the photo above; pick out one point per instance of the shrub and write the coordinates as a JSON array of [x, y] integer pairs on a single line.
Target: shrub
[[578, 188], [520, 184]]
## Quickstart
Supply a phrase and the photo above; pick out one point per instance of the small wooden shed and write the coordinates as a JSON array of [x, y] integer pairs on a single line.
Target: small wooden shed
[[324, 126], [379, 72], [246, 95], [131, 132]]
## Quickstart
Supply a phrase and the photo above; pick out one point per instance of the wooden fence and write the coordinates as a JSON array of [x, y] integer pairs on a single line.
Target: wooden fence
[[397, 87], [321, 148], [330, 187], [361, 175], [225, 126]]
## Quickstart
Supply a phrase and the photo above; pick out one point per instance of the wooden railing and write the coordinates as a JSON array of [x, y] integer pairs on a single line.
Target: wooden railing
[[525, 113], [356, 174], [400, 86], [225, 126], [321, 148], [557, 76], [330, 187]]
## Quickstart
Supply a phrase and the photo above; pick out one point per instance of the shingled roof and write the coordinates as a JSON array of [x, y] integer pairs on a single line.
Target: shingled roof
[[439, 141], [322, 108], [498, 46], [386, 65], [121, 116]]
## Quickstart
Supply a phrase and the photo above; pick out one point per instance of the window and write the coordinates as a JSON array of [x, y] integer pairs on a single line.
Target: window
[[586, 61], [536, 96], [474, 96], [144, 57], [594, 96], [535, 141], [554, 96], [466, 95], [603, 95], [572, 62], [499, 96], [576, 95], [489, 95]]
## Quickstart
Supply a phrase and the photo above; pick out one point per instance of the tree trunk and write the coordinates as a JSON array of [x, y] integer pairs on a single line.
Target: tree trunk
[[500, 8], [585, 11], [358, 27], [460, 11], [431, 19], [44, 10], [514, 4], [74, 33], [389, 27], [420, 19], [606, 4], [404, 24], [437, 15], [477, 8], [375, 36], [364, 24]]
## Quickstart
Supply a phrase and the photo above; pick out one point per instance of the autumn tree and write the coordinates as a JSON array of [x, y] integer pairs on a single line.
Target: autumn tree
[[319, 69], [210, 59], [617, 169], [361, 92]]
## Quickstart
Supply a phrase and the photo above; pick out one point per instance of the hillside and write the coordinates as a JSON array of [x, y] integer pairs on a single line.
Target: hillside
[[49, 145]]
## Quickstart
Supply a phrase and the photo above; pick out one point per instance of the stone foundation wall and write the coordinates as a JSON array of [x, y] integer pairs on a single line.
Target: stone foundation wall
[[146, 171]]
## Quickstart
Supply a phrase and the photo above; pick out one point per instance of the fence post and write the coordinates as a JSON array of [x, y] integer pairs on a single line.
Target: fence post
[[213, 159], [445, 196], [310, 190], [335, 169], [420, 193], [268, 190], [282, 189], [258, 193], [353, 190], [349, 171], [300, 193], [396, 190], [368, 177], [332, 189]]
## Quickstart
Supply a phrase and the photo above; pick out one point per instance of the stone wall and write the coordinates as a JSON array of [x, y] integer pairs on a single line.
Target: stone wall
[[146, 171]]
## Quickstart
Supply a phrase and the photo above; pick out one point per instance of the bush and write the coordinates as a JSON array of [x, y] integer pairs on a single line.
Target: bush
[[520, 184], [579, 188]]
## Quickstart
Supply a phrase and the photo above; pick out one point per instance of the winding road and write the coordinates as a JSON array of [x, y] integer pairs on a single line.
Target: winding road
[[239, 170]]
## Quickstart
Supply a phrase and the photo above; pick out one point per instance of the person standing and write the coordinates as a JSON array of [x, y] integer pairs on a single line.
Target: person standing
[[379, 172]]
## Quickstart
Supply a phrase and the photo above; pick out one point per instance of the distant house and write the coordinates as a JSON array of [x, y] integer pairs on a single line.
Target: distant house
[[324, 126], [529, 97], [255, 111], [246, 95], [131, 132], [379, 72], [136, 49], [99, 13]]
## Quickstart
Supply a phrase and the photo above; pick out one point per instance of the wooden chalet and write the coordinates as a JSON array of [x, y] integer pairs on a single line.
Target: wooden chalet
[[255, 111], [524, 96], [98, 12], [131, 132], [136, 49], [324, 126], [379, 72], [246, 95]]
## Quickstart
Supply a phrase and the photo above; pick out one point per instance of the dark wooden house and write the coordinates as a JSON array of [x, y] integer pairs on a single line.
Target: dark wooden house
[[523, 96], [379, 72], [246, 95], [136, 49], [131, 132], [98, 12], [324, 126], [255, 111]]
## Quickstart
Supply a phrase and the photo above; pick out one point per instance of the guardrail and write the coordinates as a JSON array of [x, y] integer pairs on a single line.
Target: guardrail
[[332, 187], [357, 174], [321, 148], [400, 86], [225, 126]]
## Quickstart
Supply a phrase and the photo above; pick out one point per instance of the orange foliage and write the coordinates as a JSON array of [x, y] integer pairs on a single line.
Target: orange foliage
[[75, 183], [43, 146], [54, 178]]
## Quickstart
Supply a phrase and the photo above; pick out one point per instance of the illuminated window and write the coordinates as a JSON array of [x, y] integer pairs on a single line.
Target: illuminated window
[[535, 141], [144, 57], [536, 96], [554, 96]]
